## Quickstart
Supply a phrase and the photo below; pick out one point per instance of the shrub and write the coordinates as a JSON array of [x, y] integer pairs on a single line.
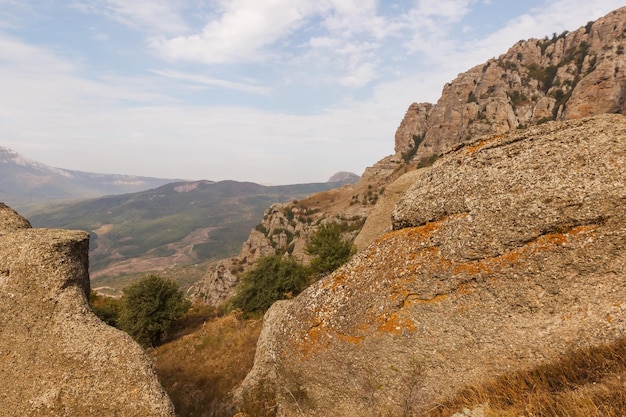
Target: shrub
[[328, 248], [106, 308], [271, 279], [149, 308]]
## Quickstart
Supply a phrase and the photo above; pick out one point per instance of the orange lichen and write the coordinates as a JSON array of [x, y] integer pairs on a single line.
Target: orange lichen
[[416, 233], [482, 143], [471, 268], [355, 340], [337, 280], [397, 323], [402, 271]]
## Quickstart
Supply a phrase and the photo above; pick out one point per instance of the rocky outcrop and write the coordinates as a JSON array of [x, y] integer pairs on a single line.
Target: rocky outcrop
[[286, 228], [507, 252], [344, 177], [413, 128], [56, 357], [569, 76], [379, 219]]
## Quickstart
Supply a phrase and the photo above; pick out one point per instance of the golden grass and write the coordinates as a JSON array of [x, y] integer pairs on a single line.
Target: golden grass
[[200, 368], [587, 382], [206, 360]]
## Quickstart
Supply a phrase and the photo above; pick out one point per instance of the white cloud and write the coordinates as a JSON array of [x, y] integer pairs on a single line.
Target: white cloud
[[241, 33], [360, 76], [250, 31], [152, 16], [208, 81], [430, 23], [348, 18]]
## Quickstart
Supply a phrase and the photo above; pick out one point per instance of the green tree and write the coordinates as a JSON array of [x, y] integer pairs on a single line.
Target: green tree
[[328, 248], [272, 278], [106, 308], [149, 308]]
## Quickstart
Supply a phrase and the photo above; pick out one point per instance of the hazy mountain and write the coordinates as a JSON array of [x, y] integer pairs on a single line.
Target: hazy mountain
[[343, 176], [176, 224], [25, 182]]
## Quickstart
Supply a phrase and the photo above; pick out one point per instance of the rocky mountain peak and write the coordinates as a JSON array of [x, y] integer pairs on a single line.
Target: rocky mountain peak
[[345, 177], [568, 76]]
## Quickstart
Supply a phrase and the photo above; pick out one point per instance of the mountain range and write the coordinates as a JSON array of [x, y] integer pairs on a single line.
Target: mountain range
[[26, 183], [164, 226]]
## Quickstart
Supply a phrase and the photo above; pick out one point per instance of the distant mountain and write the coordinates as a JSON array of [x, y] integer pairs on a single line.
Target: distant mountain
[[342, 176], [25, 182], [176, 224]]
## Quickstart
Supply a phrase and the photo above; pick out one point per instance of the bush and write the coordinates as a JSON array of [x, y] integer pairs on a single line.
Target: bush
[[149, 308], [271, 279], [106, 308], [328, 248]]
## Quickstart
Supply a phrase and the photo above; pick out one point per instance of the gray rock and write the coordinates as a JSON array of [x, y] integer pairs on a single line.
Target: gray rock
[[56, 357]]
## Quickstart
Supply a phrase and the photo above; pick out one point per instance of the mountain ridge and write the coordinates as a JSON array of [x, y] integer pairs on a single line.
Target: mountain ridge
[[176, 224], [26, 183], [569, 76]]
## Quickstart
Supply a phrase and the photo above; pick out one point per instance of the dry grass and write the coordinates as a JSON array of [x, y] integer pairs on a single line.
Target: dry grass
[[205, 361], [200, 368], [582, 383]]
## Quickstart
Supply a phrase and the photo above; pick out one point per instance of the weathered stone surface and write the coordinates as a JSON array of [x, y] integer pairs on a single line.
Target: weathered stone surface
[[379, 219], [413, 125], [510, 250], [11, 221], [56, 357]]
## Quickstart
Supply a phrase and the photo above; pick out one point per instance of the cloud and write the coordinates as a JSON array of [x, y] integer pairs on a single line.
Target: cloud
[[240, 34], [208, 81], [152, 16], [338, 36], [360, 76], [430, 22]]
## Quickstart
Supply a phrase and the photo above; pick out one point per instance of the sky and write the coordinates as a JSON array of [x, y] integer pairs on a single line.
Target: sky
[[269, 91]]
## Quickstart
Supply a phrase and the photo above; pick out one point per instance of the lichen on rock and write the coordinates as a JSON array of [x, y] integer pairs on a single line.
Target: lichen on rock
[[507, 252]]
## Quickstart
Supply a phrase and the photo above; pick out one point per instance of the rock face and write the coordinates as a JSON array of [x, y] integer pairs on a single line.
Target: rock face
[[569, 76], [507, 252], [56, 357], [379, 219]]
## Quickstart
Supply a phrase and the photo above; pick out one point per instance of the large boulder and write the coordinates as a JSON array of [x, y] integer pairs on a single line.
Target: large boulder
[[507, 252], [56, 357]]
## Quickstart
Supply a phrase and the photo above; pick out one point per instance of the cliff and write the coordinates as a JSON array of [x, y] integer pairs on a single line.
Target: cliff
[[569, 76], [56, 357], [508, 251]]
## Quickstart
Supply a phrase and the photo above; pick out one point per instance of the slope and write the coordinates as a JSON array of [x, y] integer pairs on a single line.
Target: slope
[[175, 224]]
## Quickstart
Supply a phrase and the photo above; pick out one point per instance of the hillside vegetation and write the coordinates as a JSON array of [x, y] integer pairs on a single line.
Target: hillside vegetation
[[176, 225]]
